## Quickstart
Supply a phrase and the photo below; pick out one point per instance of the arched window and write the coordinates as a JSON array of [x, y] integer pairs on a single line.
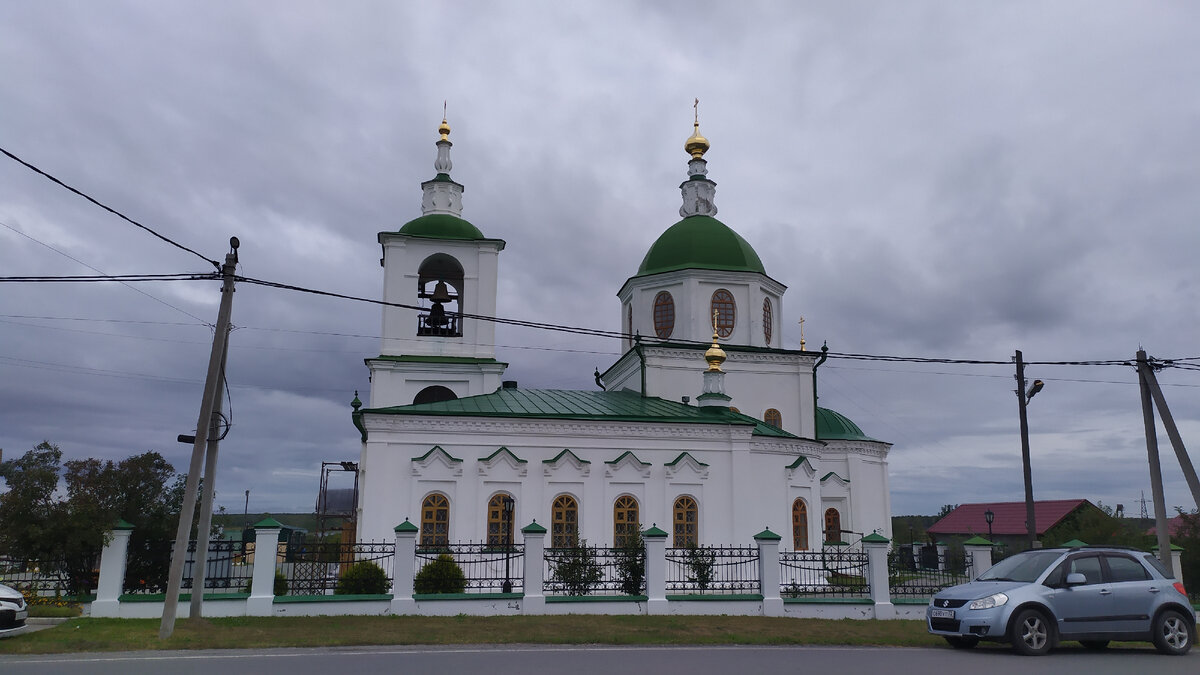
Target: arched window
[[767, 321], [500, 520], [773, 418], [439, 291], [564, 522], [629, 324], [435, 521], [625, 521], [833, 526], [687, 517], [433, 394], [664, 315], [726, 312], [799, 525]]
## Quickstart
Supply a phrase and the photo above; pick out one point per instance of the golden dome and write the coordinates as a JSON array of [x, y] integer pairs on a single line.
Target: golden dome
[[444, 130], [696, 145], [715, 356]]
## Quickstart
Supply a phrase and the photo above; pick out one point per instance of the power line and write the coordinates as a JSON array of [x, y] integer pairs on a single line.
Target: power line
[[96, 278], [111, 210], [100, 271], [581, 330]]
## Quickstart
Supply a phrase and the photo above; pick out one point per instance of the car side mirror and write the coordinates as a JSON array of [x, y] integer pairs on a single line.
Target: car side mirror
[[1076, 579]]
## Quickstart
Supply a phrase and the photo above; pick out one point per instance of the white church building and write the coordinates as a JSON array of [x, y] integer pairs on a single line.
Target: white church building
[[705, 427]]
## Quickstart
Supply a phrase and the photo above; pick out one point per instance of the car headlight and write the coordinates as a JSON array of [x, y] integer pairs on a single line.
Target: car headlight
[[995, 600]]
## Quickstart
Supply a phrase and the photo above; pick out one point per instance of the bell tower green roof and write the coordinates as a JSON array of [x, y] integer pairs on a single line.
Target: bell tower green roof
[[441, 226], [700, 242]]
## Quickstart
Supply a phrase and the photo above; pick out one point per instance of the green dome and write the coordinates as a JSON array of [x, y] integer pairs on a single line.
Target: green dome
[[700, 242], [441, 226], [836, 426]]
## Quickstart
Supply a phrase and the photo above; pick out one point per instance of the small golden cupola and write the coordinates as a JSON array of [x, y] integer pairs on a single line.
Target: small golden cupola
[[696, 145], [698, 191], [714, 395]]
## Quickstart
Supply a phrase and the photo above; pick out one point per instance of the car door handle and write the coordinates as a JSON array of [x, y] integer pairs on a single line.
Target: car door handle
[[1153, 589], [1105, 591]]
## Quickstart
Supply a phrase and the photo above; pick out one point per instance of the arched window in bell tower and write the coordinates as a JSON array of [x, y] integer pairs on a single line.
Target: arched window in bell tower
[[439, 292]]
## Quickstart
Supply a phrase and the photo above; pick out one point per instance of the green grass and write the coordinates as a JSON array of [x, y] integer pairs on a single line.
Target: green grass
[[87, 634], [53, 611]]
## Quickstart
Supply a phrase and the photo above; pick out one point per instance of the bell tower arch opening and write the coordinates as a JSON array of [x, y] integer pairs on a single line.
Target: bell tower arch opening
[[440, 289]]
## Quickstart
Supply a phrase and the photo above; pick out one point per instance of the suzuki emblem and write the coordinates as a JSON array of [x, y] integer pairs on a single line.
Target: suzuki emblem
[[945, 603]]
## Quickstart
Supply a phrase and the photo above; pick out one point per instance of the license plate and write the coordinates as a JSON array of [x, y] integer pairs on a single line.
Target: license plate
[[942, 613]]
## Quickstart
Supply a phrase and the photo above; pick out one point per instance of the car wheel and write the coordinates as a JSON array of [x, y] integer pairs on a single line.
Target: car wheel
[[1172, 634], [959, 642], [1030, 633], [1094, 645]]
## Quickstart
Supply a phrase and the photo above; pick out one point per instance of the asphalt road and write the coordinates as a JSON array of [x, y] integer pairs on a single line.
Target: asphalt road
[[585, 660]]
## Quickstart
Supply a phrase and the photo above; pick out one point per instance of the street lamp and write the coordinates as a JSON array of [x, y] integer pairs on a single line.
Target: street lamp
[[989, 517], [508, 535], [1023, 397]]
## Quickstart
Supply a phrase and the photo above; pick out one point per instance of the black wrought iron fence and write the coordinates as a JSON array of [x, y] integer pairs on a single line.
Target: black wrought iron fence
[[314, 568], [593, 570], [713, 569], [829, 573], [923, 576], [227, 566], [46, 578], [488, 568]]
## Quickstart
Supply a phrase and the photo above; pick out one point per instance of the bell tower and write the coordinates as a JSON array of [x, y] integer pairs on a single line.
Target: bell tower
[[443, 272]]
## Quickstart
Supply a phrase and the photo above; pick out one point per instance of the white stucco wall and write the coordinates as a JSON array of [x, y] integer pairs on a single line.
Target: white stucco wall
[[745, 487]]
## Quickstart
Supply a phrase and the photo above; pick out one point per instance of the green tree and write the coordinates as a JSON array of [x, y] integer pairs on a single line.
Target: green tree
[[29, 514], [1096, 525], [68, 532]]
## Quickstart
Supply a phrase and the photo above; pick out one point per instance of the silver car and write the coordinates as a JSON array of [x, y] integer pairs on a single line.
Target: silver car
[[1038, 598], [13, 610]]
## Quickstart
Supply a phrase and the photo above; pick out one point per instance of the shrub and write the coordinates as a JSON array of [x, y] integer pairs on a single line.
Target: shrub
[[631, 563], [279, 588], [362, 578], [577, 570], [443, 575], [701, 565]]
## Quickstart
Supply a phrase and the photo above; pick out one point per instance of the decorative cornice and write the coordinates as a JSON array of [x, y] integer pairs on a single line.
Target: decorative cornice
[[550, 427], [869, 448]]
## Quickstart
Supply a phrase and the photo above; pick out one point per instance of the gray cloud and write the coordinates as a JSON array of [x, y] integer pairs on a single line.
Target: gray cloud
[[929, 179]]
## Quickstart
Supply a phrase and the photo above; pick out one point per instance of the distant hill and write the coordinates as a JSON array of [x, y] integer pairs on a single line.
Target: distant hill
[[236, 521]]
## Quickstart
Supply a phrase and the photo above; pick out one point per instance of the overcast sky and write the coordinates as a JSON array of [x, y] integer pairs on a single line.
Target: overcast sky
[[942, 179]]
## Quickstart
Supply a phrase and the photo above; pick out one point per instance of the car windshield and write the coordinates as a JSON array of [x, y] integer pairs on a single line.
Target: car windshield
[[1026, 567]]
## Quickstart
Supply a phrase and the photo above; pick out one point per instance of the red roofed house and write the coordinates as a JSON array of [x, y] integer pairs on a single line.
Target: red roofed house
[[1008, 523]]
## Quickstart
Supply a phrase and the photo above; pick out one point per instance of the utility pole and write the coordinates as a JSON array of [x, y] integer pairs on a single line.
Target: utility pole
[[1022, 400], [1156, 484], [207, 403], [200, 567], [1185, 462]]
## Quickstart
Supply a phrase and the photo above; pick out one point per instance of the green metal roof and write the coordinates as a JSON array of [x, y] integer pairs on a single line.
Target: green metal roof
[[836, 426], [441, 226], [700, 242], [622, 406]]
